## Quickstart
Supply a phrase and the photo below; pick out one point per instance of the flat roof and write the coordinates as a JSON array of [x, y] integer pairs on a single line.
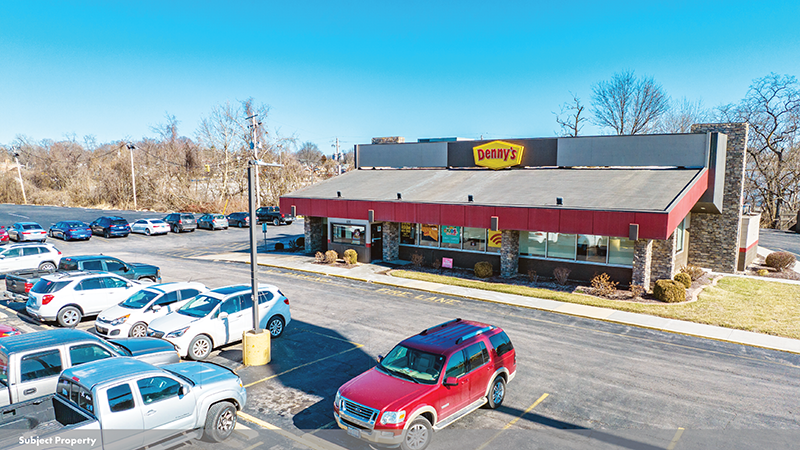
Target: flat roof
[[624, 189]]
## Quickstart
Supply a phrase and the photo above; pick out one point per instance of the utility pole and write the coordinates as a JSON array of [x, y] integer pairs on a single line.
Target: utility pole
[[131, 147], [338, 157], [254, 145], [19, 172]]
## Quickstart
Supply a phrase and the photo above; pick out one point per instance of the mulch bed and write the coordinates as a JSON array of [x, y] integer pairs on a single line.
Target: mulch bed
[[758, 264]]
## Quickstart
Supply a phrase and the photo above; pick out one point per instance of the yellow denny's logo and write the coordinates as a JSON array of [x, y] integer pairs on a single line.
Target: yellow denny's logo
[[498, 154]]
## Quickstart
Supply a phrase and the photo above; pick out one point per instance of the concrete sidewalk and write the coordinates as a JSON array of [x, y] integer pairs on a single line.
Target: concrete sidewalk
[[373, 273]]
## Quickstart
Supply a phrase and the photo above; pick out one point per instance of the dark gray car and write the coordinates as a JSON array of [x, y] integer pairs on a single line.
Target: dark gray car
[[180, 222]]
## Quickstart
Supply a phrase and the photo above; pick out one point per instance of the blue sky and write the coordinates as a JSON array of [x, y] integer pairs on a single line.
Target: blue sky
[[361, 69]]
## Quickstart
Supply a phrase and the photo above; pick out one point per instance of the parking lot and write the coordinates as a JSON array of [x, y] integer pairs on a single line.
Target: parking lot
[[581, 383]]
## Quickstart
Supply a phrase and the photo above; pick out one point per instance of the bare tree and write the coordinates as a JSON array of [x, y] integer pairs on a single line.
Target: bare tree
[[772, 108], [681, 115], [627, 104], [309, 153], [570, 118]]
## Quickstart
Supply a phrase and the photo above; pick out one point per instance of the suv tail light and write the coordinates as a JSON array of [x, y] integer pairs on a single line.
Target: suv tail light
[[47, 299], [28, 287], [282, 215], [180, 221], [286, 300]]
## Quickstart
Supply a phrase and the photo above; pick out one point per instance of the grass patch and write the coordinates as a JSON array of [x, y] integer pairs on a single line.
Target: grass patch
[[735, 302]]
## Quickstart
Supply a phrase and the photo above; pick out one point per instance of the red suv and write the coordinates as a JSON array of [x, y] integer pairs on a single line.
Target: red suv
[[427, 382]]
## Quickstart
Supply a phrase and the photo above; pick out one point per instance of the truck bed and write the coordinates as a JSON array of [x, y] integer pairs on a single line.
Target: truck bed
[[15, 282], [40, 417]]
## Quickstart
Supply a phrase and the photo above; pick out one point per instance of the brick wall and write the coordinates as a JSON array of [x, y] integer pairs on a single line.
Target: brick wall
[[715, 237], [391, 241], [509, 253], [314, 234], [642, 261], [662, 266]]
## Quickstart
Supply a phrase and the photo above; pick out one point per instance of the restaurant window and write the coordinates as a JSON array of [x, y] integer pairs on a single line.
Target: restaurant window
[[494, 241], [679, 235], [451, 236], [592, 248], [474, 239], [561, 246], [348, 234], [408, 234], [532, 243], [620, 251], [429, 235]]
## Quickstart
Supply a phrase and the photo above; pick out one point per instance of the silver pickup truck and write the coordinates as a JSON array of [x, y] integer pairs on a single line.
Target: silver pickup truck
[[30, 363], [123, 403]]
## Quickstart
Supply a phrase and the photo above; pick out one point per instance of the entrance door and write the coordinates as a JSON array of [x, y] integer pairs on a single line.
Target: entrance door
[[377, 241]]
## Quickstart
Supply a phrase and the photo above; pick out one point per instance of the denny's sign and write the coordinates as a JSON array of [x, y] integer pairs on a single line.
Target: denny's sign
[[498, 154]]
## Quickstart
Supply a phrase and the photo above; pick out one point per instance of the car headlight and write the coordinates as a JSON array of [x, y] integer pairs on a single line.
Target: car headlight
[[337, 399], [177, 333], [120, 320], [393, 417]]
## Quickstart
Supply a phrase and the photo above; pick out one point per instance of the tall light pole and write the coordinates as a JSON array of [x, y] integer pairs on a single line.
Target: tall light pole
[[19, 172], [132, 147], [254, 145]]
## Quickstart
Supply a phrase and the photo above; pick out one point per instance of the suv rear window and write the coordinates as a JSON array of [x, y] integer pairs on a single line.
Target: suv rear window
[[47, 287], [187, 216], [31, 226], [119, 222], [501, 343], [67, 265]]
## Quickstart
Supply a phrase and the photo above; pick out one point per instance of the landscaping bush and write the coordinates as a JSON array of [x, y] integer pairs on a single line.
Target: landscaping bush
[[417, 260], [763, 272], [483, 269], [669, 291], [533, 277], [319, 257], [561, 274], [350, 256], [603, 286], [331, 256], [636, 290], [436, 264], [684, 279], [279, 246], [693, 271], [780, 260]]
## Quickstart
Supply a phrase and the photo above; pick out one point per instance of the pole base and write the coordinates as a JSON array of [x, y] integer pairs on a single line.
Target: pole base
[[256, 348]]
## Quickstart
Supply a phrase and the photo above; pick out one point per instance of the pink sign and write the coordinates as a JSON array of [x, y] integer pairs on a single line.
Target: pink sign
[[447, 263]]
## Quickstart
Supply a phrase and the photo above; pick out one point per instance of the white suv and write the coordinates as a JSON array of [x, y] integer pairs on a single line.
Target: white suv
[[29, 256], [130, 318], [68, 296], [220, 317]]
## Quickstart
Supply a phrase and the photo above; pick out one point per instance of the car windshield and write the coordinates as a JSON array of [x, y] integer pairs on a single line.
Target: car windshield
[[46, 286], [218, 216], [200, 306], [139, 300], [412, 364]]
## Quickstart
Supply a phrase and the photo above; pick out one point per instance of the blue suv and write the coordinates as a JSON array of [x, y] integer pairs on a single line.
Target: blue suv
[[108, 226]]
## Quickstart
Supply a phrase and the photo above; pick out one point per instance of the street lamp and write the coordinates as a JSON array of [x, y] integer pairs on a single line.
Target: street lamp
[[19, 172], [132, 147]]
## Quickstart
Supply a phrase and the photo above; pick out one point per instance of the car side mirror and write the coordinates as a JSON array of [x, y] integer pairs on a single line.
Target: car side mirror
[[379, 358], [451, 381], [130, 284], [222, 315], [155, 308], [126, 269], [184, 390], [2, 256]]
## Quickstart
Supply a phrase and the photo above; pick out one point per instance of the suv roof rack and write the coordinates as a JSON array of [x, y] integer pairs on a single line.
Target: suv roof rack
[[441, 325], [473, 334]]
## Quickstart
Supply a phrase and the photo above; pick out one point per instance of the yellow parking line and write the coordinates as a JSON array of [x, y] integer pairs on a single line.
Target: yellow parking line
[[254, 446], [675, 439], [324, 427], [333, 337], [510, 424], [314, 444], [303, 365]]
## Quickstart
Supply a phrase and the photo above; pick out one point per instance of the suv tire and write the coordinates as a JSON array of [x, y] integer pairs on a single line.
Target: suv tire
[[220, 422], [275, 326], [497, 392], [200, 347], [69, 317], [47, 266], [276, 222], [418, 435]]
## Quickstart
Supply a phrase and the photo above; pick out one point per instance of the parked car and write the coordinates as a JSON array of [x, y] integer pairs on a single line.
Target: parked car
[[29, 255], [130, 318], [8, 330], [32, 361], [150, 226], [27, 231], [219, 317], [273, 215], [3, 235], [427, 382], [20, 282], [69, 230], [239, 219], [69, 296], [213, 222], [180, 222], [108, 226], [123, 403]]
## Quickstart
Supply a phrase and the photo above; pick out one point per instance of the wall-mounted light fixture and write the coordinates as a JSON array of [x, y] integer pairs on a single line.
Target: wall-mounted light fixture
[[371, 215], [494, 225]]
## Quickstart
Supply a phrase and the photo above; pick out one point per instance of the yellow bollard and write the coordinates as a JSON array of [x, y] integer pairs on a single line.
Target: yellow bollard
[[256, 348]]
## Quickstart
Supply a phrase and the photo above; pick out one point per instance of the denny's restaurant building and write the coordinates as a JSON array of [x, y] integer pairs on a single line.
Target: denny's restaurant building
[[635, 207]]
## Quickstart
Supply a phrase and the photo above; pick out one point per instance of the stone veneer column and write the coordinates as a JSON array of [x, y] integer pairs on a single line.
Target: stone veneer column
[[642, 257], [662, 262], [390, 233], [509, 253], [313, 234], [715, 237]]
